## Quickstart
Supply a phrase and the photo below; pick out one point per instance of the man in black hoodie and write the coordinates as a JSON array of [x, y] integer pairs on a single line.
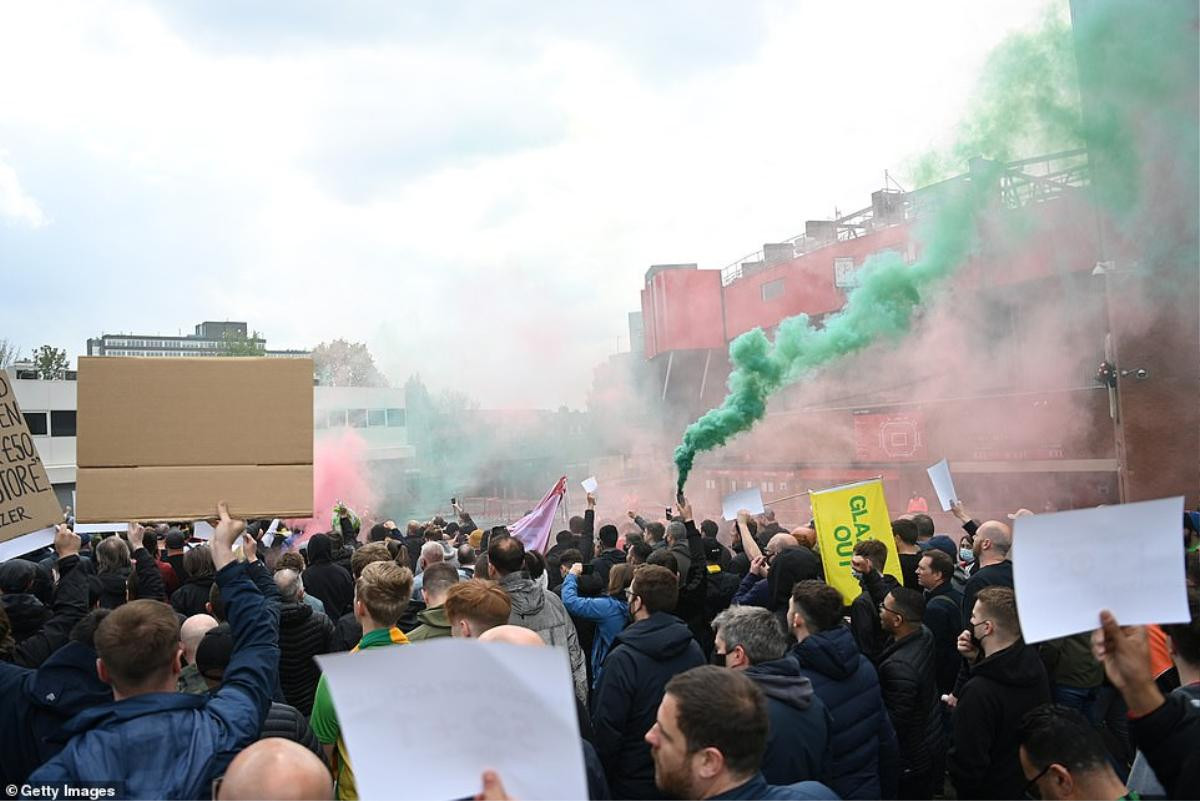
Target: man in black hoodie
[[645, 656], [326, 580], [1006, 679], [908, 679], [868, 563], [799, 746], [992, 543], [303, 633]]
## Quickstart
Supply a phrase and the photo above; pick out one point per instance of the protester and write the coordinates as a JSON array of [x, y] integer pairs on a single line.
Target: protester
[[708, 531], [303, 634], [868, 563], [865, 752], [609, 612], [431, 553], [708, 740], [1075, 675], [908, 680], [645, 656], [943, 614], [190, 634], [381, 595], [754, 590], [347, 631], [275, 769], [113, 568], [474, 606], [190, 598], [536, 608], [905, 534], [1005, 680], [139, 656], [324, 579], [1063, 757], [34, 636], [799, 745], [439, 578], [991, 545]]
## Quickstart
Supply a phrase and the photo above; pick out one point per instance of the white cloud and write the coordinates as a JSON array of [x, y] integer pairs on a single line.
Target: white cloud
[[479, 202], [17, 205]]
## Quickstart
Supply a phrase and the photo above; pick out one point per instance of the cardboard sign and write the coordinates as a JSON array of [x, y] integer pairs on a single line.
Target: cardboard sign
[[165, 439], [27, 500], [844, 516]]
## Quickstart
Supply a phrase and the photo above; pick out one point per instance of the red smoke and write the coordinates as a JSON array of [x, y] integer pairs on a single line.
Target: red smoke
[[339, 474]]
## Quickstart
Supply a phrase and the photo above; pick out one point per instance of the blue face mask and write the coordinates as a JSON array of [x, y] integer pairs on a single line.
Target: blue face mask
[[967, 555], [856, 574]]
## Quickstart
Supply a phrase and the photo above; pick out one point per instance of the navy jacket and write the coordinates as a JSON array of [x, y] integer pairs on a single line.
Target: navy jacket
[[210, 730], [943, 618], [35, 704], [758, 788], [799, 747], [644, 658], [865, 753]]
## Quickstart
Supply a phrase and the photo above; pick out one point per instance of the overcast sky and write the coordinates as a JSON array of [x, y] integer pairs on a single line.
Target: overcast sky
[[475, 189]]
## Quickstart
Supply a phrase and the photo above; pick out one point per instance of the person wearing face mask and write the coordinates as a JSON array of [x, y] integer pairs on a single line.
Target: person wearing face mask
[[1005, 679], [644, 657], [991, 548]]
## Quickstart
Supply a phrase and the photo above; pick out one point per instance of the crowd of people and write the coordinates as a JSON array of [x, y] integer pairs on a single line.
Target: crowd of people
[[704, 664]]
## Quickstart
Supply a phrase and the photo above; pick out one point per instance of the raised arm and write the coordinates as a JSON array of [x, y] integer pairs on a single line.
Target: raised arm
[[70, 604], [587, 540], [149, 580], [749, 544]]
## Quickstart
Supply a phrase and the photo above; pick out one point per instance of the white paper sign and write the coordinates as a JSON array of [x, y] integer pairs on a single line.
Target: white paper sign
[[202, 530], [589, 484], [19, 546], [1067, 566], [528, 732], [748, 499], [943, 484], [101, 528]]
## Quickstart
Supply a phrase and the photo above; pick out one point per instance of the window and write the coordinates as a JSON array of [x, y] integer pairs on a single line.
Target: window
[[395, 418], [783, 486], [376, 417], [710, 484], [337, 418], [772, 289], [358, 418], [36, 422], [844, 274], [62, 424], [770, 486]]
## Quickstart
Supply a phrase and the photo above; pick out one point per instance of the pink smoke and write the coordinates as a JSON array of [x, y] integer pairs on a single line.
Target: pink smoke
[[340, 473]]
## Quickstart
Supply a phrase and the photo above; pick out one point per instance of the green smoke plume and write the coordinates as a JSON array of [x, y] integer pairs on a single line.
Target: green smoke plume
[[1030, 77]]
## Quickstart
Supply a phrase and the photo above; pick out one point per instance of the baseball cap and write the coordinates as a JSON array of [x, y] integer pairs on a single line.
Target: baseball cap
[[176, 539], [214, 651], [941, 542]]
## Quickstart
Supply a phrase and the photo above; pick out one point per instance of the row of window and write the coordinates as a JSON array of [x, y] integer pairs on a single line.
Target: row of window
[[361, 418], [763, 486], [167, 353], [190, 344], [61, 423]]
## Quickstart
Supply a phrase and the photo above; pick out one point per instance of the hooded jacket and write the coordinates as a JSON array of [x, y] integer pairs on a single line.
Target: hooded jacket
[[799, 747], [542, 611], [999, 690], [191, 598], [608, 613], [645, 656], [908, 679], [113, 586], [303, 634], [70, 606], [865, 754], [864, 614], [323, 579], [211, 729], [434, 624]]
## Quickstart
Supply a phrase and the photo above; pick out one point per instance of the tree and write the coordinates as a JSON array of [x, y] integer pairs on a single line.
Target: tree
[[236, 344], [9, 353], [346, 364], [51, 363]]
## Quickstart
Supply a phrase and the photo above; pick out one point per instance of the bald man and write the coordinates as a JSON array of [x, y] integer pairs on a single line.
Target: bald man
[[805, 536], [992, 546], [277, 770], [190, 634], [754, 589], [515, 635]]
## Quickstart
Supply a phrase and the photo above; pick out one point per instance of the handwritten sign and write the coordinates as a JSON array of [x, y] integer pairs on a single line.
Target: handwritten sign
[[27, 500]]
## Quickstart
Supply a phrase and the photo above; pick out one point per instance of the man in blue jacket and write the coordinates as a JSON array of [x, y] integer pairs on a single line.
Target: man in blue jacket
[[750, 639], [140, 657], [866, 755]]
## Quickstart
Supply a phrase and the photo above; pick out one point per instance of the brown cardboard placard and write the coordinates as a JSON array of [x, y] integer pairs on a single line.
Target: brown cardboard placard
[[27, 500], [166, 438]]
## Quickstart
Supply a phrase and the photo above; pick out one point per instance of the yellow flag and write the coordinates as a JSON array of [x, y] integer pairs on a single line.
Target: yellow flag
[[844, 515]]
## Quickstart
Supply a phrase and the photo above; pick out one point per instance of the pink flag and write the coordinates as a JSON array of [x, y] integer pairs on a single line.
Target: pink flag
[[533, 530]]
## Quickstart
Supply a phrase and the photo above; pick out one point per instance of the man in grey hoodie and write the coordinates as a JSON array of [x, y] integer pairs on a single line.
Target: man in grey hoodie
[[536, 608], [799, 746]]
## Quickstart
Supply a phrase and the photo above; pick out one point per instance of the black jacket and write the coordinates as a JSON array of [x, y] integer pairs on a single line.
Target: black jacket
[[1168, 737], [413, 544], [604, 562], [303, 634], [943, 618], [908, 680], [329, 582], [999, 690], [113, 588], [26, 614], [864, 614], [190, 599], [997, 575], [70, 606], [799, 740], [287, 722], [644, 658]]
